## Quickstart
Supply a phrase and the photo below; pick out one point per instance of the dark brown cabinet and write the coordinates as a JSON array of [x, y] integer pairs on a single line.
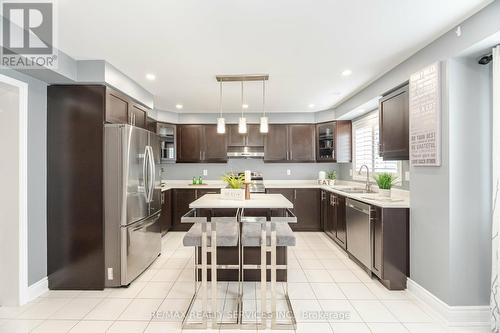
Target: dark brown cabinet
[[301, 143], [121, 109], [75, 168], [166, 211], [214, 145], [181, 198], [390, 246], [252, 138], [290, 143], [138, 115], [151, 125], [394, 125], [276, 144], [334, 141], [333, 207], [200, 143], [306, 206], [117, 105], [189, 143]]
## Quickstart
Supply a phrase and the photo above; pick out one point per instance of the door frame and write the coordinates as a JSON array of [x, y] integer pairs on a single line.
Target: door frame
[[22, 245]]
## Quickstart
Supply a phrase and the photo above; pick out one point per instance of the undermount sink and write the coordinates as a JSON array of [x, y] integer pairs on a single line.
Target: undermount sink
[[382, 199], [354, 190]]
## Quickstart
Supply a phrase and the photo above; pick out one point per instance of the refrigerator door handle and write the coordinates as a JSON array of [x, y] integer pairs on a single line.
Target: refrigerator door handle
[[152, 173], [144, 173]]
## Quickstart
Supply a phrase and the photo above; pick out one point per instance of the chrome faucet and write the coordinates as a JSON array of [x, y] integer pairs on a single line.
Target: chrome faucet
[[368, 186]]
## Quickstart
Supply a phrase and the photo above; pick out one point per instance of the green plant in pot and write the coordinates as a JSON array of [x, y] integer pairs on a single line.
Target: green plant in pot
[[331, 176], [235, 183], [385, 181]]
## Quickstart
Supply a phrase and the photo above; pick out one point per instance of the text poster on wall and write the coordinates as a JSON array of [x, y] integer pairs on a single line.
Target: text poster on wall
[[425, 117]]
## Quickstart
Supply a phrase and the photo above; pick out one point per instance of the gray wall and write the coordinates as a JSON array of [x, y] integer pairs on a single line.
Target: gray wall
[[470, 181], [37, 175], [430, 218], [302, 171]]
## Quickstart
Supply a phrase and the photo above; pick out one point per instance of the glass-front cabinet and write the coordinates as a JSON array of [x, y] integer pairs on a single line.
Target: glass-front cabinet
[[326, 142]]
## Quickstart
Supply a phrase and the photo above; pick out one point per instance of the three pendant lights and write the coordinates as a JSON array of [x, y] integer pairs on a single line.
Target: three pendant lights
[[242, 123]]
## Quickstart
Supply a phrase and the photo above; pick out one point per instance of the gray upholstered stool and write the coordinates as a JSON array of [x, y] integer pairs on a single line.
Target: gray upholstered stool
[[222, 232], [268, 235]]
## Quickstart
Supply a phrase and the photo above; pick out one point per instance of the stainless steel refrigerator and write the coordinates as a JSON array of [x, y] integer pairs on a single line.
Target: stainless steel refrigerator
[[132, 202]]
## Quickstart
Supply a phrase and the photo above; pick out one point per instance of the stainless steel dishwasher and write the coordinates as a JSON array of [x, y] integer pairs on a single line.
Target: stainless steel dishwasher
[[359, 231]]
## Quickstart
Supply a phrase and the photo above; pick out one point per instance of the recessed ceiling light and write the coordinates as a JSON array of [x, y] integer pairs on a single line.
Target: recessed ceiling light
[[346, 72], [311, 106], [244, 106], [150, 77], [179, 106]]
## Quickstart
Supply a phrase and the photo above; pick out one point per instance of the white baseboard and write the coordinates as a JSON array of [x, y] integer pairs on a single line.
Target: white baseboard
[[38, 288], [450, 315]]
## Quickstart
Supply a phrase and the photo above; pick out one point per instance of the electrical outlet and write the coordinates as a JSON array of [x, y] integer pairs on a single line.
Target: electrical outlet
[[110, 273], [350, 172], [205, 172], [288, 172], [407, 176]]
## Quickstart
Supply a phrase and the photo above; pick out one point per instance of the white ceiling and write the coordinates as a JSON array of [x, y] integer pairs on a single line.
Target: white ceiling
[[304, 45]]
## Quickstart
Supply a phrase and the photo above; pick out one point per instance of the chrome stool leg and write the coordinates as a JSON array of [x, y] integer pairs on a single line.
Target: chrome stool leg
[[204, 293], [263, 275], [213, 259]]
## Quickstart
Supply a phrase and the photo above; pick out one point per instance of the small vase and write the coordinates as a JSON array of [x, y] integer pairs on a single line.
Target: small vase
[[331, 182], [385, 193]]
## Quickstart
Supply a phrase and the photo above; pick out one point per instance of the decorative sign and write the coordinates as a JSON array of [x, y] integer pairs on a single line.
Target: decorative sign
[[425, 117]]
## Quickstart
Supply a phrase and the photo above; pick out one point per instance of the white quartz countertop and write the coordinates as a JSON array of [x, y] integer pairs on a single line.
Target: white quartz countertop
[[256, 201], [399, 199]]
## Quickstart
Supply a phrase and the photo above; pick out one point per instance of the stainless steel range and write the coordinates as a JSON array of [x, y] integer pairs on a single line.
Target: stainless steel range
[[257, 185]]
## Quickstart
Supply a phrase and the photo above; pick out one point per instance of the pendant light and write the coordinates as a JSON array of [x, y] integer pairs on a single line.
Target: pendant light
[[264, 121], [221, 122], [242, 124]]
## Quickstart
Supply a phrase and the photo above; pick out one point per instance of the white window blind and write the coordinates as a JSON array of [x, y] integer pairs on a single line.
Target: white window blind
[[365, 145]]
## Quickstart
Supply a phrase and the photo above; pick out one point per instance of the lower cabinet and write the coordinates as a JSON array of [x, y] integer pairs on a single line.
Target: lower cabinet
[[306, 206], [181, 198], [333, 218], [390, 246], [166, 211]]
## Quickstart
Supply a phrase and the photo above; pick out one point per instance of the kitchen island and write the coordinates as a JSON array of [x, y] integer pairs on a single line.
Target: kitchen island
[[261, 229], [260, 205]]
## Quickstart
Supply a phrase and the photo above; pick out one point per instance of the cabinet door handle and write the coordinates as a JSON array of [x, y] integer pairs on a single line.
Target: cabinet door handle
[[294, 194], [201, 155]]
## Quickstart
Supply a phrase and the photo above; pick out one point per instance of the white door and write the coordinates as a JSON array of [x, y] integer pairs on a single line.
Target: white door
[[13, 239]]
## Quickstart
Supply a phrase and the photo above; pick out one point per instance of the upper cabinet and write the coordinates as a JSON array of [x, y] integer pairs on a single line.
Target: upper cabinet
[[394, 125], [334, 141], [121, 109], [252, 138], [276, 144], [301, 143], [290, 143], [201, 143], [151, 124]]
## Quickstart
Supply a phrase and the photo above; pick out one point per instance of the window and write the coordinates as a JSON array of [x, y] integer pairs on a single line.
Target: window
[[365, 145]]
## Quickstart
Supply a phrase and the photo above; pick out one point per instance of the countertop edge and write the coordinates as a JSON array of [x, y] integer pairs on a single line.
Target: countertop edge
[[405, 204]]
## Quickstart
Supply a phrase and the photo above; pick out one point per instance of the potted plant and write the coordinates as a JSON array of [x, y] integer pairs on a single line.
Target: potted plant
[[331, 176], [385, 181], [234, 191]]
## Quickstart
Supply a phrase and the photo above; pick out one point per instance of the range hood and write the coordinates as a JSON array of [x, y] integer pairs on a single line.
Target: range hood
[[245, 152]]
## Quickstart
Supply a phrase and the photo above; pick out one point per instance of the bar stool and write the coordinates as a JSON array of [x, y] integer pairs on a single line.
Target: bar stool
[[219, 232], [268, 235]]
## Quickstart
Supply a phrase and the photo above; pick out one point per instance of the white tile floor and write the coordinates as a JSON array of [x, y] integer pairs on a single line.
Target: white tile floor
[[322, 280]]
